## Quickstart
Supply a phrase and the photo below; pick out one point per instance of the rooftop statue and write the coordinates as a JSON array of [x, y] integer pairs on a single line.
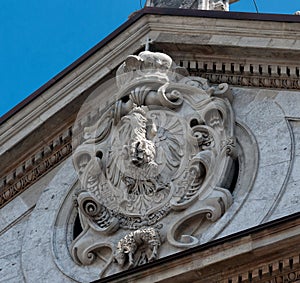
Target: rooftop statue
[[222, 5]]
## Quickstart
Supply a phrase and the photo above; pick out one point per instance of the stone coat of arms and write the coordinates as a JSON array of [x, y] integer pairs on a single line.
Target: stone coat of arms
[[156, 168]]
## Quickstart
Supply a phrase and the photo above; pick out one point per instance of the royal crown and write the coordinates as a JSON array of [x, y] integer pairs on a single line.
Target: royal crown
[[146, 66]]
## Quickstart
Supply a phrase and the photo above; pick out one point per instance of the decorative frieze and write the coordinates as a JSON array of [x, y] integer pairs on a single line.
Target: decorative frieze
[[253, 81], [32, 169], [249, 75]]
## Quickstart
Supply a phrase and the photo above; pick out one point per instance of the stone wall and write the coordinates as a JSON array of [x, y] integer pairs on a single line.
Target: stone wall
[[14, 220], [273, 118], [35, 240], [11, 246]]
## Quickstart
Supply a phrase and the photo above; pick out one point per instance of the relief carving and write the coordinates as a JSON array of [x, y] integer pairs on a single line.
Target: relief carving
[[287, 278], [156, 169], [148, 238]]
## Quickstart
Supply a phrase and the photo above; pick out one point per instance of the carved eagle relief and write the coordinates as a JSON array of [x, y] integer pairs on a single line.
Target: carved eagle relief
[[145, 156], [155, 174]]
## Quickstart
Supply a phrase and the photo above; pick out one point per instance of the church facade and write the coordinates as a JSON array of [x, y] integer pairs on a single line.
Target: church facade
[[168, 153]]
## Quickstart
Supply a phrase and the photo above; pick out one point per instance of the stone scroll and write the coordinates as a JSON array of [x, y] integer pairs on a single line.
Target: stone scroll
[[156, 169]]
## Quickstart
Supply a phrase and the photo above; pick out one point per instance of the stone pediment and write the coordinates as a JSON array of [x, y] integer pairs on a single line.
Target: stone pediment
[[156, 178], [41, 226], [156, 168], [34, 142]]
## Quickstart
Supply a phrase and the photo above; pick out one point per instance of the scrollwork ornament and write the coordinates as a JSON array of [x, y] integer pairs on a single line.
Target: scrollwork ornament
[[230, 147], [157, 174]]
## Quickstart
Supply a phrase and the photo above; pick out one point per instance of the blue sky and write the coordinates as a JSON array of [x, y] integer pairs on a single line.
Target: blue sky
[[38, 39]]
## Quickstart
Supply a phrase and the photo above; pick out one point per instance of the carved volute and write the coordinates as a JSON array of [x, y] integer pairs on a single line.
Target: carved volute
[[156, 169]]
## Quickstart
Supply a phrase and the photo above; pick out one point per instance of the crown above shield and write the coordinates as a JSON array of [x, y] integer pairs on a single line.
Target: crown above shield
[[147, 66]]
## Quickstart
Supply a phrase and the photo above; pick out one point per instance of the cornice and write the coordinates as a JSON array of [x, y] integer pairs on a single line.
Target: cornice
[[285, 270], [246, 74], [225, 29], [71, 86], [243, 27], [229, 31], [35, 167], [227, 39], [265, 253], [52, 152]]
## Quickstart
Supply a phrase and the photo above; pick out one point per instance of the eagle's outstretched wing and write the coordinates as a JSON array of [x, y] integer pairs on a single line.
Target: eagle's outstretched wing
[[169, 142]]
